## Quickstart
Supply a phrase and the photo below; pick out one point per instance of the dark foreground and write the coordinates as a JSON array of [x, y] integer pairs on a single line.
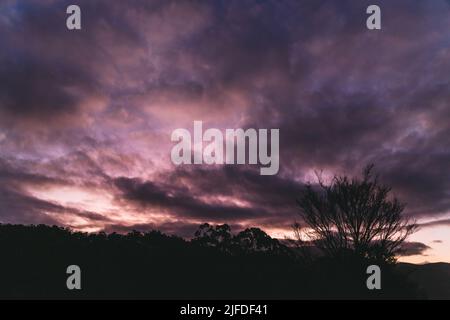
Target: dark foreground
[[251, 265]]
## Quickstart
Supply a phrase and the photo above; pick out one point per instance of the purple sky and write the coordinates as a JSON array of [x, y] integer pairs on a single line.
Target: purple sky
[[86, 116]]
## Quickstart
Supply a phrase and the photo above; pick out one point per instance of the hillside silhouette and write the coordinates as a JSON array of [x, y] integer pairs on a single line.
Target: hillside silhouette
[[433, 279], [152, 265]]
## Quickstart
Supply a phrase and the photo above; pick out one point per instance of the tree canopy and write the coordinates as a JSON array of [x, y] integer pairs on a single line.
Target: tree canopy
[[355, 216]]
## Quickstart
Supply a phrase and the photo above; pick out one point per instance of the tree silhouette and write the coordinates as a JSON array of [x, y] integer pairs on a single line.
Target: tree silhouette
[[213, 236], [250, 240], [152, 265], [256, 240], [355, 216]]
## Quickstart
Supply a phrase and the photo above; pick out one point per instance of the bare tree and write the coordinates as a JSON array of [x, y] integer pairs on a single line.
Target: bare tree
[[355, 216]]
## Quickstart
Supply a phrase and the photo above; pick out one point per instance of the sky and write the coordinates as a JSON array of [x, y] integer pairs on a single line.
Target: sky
[[86, 116]]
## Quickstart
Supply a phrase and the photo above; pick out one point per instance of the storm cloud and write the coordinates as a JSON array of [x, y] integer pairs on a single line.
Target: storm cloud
[[86, 116]]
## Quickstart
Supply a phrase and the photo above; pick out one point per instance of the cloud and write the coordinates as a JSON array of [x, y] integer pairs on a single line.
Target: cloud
[[234, 195], [95, 109], [435, 223], [19, 206], [413, 248]]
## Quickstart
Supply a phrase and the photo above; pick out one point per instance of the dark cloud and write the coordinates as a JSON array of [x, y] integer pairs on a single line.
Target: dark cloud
[[435, 223], [233, 195], [413, 248], [184, 204], [75, 107], [41, 90], [19, 206]]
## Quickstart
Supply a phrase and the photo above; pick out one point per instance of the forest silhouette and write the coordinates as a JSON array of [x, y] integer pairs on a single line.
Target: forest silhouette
[[345, 227]]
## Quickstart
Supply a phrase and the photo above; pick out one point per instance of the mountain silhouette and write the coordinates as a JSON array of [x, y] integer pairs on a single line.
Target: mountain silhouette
[[433, 279]]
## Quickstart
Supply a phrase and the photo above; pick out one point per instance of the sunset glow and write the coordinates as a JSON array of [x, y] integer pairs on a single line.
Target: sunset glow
[[86, 117]]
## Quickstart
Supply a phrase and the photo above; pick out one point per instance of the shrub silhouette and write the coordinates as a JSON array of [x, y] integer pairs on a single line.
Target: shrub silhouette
[[355, 217]]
